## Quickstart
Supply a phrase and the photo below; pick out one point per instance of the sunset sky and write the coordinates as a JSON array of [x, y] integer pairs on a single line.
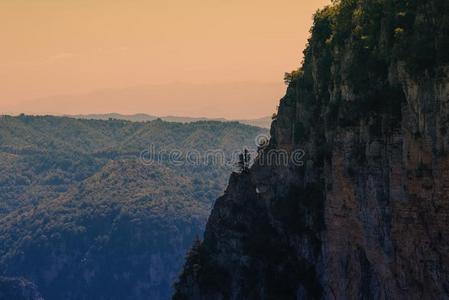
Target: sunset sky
[[212, 58]]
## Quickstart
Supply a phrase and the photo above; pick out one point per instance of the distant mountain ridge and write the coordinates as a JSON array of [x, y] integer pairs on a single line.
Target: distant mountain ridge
[[223, 99], [264, 122]]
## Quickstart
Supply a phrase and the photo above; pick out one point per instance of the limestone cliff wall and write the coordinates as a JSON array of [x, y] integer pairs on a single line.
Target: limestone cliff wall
[[366, 216]]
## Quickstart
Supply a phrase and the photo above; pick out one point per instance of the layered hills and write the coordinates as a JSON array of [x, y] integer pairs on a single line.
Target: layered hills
[[86, 211]]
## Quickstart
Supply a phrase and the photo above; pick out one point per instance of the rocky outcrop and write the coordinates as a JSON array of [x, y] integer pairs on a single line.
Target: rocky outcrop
[[18, 289], [360, 208]]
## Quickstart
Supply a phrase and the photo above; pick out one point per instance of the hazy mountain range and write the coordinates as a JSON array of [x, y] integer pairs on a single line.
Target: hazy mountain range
[[264, 122], [235, 100]]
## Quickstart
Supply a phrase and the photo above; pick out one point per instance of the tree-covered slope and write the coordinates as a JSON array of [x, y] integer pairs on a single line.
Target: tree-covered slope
[[18, 289], [83, 216]]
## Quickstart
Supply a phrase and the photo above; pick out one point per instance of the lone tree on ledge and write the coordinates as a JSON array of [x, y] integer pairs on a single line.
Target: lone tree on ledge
[[244, 161]]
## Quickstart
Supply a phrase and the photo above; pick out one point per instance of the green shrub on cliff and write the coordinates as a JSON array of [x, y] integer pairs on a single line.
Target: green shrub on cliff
[[293, 76], [359, 41]]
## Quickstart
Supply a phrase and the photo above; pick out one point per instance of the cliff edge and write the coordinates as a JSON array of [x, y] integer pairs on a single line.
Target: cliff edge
[[364, 212]]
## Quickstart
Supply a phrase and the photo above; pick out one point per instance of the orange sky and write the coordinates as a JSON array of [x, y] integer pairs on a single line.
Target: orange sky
[[57, 56]]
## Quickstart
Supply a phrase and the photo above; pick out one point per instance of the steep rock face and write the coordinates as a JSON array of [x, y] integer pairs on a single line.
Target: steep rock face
[[18, 289], [360, 211]]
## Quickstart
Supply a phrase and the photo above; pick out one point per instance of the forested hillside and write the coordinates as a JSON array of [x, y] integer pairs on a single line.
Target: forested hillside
[[82, 216], [263, 122]]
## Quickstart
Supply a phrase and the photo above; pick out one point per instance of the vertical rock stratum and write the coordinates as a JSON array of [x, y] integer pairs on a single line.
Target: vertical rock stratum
[[366, 215]]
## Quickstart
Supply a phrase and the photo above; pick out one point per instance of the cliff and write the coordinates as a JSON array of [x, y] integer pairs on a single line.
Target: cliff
[[363, 214]]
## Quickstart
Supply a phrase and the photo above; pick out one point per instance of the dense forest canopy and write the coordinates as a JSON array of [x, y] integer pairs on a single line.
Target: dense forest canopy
[[80, 211]]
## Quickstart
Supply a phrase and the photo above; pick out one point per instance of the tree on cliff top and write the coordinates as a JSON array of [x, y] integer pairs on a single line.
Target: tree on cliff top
[[244, 161]]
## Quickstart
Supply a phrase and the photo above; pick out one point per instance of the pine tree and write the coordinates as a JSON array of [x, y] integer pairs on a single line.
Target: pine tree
[[244, 161]]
